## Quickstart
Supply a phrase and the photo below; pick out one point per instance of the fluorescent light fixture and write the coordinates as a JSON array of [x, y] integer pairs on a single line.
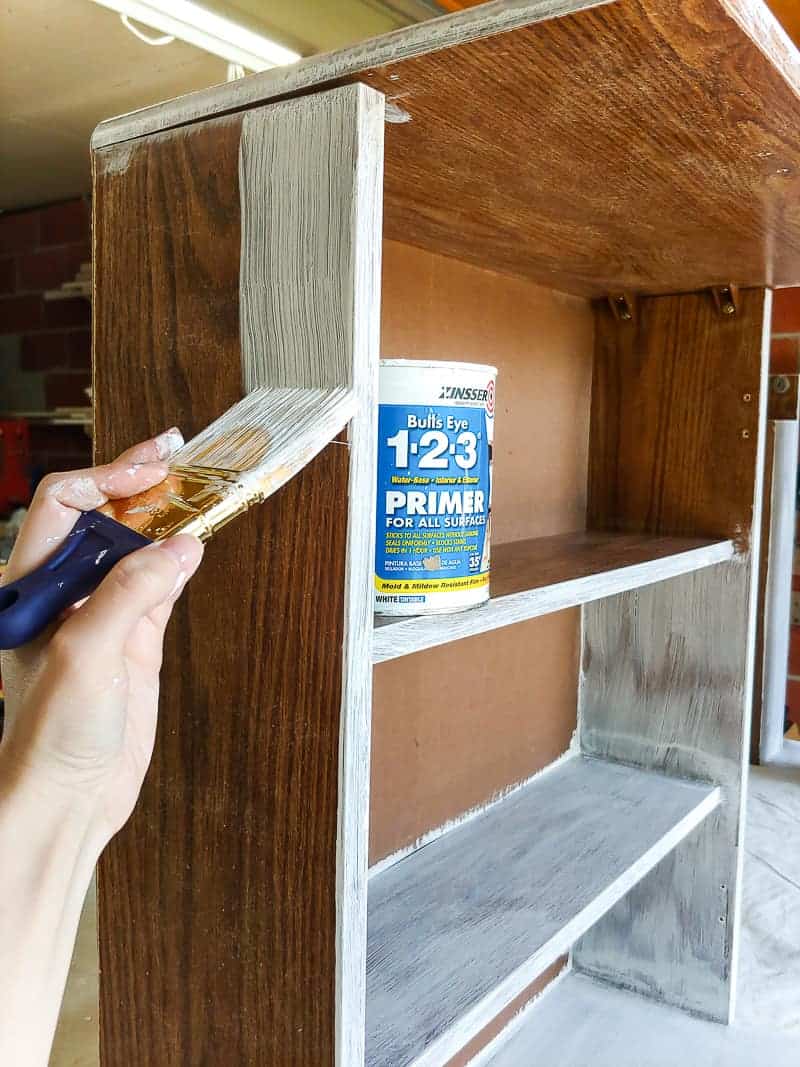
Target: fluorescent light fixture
[[197, 25]]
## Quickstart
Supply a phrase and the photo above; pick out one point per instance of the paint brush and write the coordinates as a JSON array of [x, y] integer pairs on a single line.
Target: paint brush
[[239, 460]]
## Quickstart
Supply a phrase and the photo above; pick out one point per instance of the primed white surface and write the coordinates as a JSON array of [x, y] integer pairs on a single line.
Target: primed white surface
[[636, 1032], [666, 686], [460, 928], [311, 187]]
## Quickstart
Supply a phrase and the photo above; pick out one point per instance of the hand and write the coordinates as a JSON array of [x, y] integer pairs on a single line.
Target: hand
[[81, 700], [81, 704]]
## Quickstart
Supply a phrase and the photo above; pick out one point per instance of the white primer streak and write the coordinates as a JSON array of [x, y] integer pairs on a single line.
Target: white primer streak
[[461, 928], [472, 813]]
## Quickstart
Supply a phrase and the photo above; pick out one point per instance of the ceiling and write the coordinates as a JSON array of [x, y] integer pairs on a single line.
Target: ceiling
[[67, 64]]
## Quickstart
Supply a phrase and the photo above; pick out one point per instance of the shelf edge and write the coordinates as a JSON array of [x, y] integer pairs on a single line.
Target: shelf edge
[[453, 1040], [419, 632]]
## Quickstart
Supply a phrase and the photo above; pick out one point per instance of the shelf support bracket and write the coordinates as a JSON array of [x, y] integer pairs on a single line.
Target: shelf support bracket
[[622, 306], [726, 298]]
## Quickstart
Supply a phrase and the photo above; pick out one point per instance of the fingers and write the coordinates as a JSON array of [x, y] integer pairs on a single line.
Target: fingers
[[157, 448], [60, 498], [143, 585]]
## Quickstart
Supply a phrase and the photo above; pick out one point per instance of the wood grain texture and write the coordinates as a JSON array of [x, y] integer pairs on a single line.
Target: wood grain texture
[[675, 418], [668, 670], [664, 686], [701, 96], [310, 172], [460, 928], [585, 1022], [309, 73], [542, 575], [223, 932]]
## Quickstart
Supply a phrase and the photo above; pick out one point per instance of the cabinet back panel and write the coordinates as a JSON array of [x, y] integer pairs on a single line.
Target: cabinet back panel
[[454, 726]]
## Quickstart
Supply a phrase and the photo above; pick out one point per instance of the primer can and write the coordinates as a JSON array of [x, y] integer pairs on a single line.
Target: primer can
[[433, 531]]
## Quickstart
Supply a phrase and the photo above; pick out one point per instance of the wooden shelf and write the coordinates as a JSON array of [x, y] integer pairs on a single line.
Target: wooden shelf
[[459, 928], [645, 146], [546, 574], [580, 1021]]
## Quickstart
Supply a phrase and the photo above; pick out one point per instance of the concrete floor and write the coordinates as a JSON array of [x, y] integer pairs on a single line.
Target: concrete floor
[[769, 962], [769, 973]]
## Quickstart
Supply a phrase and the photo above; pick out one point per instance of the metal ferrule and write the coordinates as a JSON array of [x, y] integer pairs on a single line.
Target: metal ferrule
[[195, 500]]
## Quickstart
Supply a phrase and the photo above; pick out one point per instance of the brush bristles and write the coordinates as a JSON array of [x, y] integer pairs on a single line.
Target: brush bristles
[[268, 429]]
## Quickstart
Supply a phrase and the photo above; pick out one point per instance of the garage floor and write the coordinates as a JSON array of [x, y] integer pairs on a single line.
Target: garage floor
[[769, 969], [769, 975]]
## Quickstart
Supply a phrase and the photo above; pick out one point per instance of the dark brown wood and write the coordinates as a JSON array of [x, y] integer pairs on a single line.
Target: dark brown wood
[[784, 396], [217, 901], [641, 145], [543, 561], [675, 416], [588, 105]]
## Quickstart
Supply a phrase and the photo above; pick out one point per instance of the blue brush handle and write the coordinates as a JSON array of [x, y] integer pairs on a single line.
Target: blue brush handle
[[29, 605]]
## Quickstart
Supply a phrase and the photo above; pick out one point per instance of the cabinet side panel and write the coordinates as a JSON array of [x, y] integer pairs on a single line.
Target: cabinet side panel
[[677, 435], [664, 687], [218, 903], [675, 417]]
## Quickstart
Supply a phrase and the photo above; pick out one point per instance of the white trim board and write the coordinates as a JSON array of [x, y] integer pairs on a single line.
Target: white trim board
[[463, 926], [315, 321]]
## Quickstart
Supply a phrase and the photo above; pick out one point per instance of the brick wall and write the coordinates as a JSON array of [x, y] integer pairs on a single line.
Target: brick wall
[[45, 346], [785, 359]]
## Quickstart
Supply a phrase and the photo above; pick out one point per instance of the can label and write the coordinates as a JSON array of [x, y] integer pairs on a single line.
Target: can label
[[434, 493]]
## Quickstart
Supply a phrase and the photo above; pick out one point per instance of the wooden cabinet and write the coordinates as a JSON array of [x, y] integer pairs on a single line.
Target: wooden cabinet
[[597, 198]]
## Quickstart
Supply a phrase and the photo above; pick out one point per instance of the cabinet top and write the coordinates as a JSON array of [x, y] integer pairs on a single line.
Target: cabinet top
[[360, 62], [591, 145]]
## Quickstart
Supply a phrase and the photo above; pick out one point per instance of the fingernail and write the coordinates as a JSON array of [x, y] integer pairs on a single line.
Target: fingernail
[[168, 442]]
